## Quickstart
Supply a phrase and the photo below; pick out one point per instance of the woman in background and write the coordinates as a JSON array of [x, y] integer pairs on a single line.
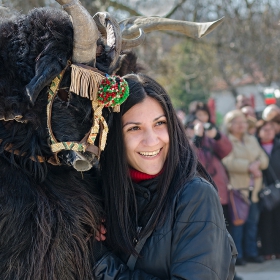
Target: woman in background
[[269, 225], [244, 165], [212, 146]]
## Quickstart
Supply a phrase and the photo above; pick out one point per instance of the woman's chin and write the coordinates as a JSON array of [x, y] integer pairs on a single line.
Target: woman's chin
[[152, 171]]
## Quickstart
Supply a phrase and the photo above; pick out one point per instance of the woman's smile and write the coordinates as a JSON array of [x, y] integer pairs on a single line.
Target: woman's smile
[[150, 154]]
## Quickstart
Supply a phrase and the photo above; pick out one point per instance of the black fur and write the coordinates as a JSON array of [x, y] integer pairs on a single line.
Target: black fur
[[49, 215], [128, 64]]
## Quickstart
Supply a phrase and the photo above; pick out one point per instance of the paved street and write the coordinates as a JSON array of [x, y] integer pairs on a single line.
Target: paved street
[[269, 270]]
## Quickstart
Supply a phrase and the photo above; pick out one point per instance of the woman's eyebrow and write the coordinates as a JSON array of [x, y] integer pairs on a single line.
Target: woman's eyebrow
[[135, 123], [138, 123], [159, 117]]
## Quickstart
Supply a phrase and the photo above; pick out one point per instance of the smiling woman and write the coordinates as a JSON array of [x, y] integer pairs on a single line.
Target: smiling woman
[[160, 203]]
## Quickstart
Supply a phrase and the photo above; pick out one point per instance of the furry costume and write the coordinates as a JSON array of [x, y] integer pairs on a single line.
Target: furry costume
[[48, 214]]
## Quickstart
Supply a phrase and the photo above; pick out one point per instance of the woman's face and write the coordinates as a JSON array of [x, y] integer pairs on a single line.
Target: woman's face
[[146, 136], [202, 116], [238, 126], [267, 132]]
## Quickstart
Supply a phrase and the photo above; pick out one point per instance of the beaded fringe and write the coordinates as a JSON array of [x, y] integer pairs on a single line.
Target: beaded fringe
[[85, 82]]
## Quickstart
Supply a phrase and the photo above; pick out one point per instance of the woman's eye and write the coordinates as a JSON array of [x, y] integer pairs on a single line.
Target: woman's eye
[[161, 123], [133, 128]]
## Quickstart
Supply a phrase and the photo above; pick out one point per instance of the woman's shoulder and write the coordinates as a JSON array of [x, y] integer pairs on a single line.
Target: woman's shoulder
[[275, 150], [198, 183], [198, 200], [276, 142], [197, 188], [251, 139]]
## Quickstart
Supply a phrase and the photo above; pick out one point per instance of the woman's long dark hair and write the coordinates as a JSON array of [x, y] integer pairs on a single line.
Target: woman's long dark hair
[[180, 167]]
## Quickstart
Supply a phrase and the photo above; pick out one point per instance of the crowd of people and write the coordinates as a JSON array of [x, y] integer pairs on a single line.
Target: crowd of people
[[241, 154]]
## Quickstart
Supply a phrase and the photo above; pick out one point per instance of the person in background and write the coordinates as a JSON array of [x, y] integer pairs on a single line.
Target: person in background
[[244, 165], [189, 127], [212, 146], [269, 225], [192, 106], [181, 116], [272, 113], [251, 121], [242, 101], [250, 114], [248, 111]]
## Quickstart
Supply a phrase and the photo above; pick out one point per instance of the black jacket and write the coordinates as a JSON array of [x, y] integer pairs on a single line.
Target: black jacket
[[274, 163], [192, 244]]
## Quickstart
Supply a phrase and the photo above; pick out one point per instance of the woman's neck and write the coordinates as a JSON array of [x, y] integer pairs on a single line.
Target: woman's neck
[[238, 136], [266, 141], [138, 176]]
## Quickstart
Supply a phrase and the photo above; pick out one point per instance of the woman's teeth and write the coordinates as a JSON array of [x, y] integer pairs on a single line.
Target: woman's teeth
[[150, 154]]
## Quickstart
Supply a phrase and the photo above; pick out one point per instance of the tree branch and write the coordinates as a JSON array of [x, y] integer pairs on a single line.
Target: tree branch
[[250, 5], [120, 6], [175, 8]]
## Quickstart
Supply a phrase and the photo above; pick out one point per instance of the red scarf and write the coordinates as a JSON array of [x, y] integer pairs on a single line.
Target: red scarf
[[265, 143], [138, 176]]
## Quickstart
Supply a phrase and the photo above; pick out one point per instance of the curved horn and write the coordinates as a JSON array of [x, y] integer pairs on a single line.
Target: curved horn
[[131, 26], [86, 33], [111, 34], [132, 43]]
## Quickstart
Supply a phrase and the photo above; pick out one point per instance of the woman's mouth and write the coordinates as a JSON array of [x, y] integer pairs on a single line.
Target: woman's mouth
[[150, 154]]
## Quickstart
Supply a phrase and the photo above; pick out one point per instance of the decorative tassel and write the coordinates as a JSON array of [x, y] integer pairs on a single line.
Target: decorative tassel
[[85, 82], [104, 134], [117, 109]]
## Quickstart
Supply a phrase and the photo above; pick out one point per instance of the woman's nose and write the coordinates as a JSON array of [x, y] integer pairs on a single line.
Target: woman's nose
[[150, 138]]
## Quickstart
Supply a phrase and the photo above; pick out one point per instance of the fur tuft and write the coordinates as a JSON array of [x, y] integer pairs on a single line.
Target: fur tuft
[[128, 64]]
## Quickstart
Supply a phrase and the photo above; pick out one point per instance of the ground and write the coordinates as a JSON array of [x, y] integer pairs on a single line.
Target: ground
[[269, 270]]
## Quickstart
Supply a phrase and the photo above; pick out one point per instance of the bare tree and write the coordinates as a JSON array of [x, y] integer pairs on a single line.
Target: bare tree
[[246, 43]]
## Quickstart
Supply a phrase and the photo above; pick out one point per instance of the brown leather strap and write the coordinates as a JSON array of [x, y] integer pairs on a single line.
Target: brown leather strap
[[91, 148], [54, 160]]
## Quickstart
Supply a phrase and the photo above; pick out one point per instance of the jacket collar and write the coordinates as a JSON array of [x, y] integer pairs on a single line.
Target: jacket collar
[[232, 138], [145, 193]]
